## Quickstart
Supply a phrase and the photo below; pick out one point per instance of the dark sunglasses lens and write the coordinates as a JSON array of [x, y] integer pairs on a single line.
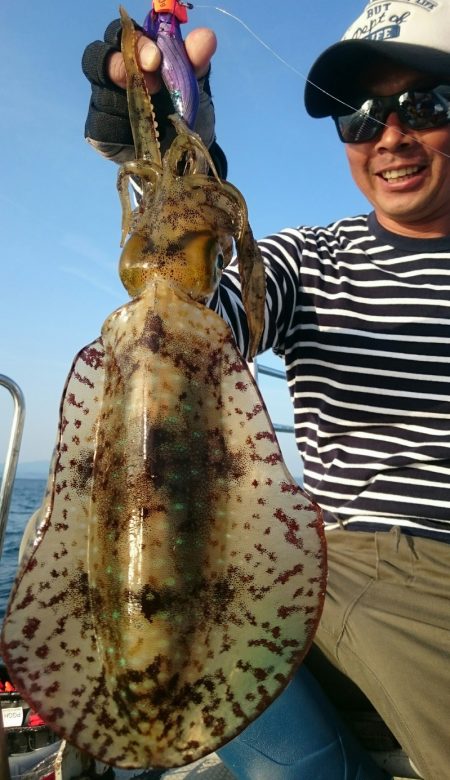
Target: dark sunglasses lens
[[425, 110], [362, 125]]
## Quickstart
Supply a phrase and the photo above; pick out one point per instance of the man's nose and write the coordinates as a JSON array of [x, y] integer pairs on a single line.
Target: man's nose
[[394, 133]]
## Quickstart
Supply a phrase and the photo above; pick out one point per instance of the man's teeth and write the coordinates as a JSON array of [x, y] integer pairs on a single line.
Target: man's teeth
[[400, 172]]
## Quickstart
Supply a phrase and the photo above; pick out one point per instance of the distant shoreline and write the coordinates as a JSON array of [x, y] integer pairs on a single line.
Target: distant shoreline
[[31, 476], [37, 469]]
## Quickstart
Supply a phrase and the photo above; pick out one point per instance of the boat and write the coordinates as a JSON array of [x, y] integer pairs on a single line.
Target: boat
[[29, 750]]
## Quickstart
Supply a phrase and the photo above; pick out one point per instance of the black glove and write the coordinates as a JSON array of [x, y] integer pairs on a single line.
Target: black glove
[[108, 126]]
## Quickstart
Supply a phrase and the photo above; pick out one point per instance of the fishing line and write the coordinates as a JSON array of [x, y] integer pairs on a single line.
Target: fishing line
[[260, 40], [303, 76]]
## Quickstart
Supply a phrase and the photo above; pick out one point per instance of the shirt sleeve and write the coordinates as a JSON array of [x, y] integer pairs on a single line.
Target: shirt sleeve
[[281, 255]]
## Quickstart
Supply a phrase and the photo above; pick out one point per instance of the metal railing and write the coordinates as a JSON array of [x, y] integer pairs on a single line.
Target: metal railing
[[12, 454], [275, 373], [9, 472]]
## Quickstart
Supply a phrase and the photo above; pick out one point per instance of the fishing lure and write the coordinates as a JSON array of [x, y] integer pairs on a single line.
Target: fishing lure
[[178, 572], [162, 24]]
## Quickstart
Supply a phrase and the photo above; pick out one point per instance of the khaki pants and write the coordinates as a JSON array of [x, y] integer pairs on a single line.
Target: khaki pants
[[386, 625]]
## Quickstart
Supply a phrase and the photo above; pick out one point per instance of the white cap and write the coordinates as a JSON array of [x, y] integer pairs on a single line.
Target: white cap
[[415, 33]]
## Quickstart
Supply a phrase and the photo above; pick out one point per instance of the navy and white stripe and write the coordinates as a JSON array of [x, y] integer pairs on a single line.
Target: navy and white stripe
[[362, 319]]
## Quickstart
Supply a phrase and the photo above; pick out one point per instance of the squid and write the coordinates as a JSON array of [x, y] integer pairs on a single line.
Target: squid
[[177, 573]]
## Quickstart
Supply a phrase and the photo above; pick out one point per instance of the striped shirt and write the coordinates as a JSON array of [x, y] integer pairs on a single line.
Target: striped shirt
[[361, 317]]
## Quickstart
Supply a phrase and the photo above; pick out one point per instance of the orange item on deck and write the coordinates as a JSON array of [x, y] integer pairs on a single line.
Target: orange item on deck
[[171, 7]]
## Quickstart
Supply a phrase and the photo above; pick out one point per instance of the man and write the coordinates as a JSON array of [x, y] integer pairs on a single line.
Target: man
[[360, 312]]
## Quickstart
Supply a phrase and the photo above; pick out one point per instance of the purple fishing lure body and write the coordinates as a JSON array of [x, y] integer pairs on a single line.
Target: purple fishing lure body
[[177, 71]]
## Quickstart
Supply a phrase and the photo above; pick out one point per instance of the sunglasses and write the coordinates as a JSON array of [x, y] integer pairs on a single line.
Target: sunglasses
[[418, 109]]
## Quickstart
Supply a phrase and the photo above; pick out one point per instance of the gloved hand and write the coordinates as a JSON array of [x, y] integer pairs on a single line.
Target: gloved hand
[[108, 126]]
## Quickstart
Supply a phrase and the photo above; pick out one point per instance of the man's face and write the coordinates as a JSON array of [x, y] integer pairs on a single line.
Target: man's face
[[404, 173]]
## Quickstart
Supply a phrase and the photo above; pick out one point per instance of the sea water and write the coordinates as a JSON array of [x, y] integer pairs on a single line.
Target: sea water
[[26, 498]]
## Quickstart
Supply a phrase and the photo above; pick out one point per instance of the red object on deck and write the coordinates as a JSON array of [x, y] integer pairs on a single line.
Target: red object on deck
[[34, 720]]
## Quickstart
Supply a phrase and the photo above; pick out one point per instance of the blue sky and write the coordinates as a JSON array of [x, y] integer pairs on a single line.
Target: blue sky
[[59, 210]]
